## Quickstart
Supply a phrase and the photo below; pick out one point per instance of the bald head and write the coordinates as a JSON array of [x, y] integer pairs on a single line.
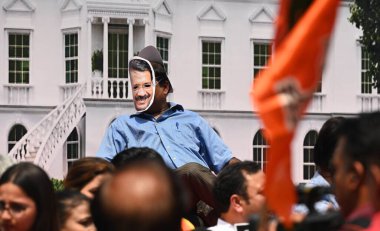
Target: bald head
[[142, 196]]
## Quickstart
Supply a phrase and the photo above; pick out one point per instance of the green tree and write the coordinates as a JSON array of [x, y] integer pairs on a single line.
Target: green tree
[[57, 184], [365, 15]]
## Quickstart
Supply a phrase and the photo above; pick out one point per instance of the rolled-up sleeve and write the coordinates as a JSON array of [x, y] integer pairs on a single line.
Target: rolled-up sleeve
[[217, 153]]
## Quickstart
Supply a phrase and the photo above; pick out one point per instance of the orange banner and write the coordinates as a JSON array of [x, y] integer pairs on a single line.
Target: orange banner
[[281, 92]]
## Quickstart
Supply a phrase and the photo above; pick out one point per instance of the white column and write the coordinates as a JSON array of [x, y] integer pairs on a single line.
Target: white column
[[147, 37], [105, 21], [131, 21], [90, 19]]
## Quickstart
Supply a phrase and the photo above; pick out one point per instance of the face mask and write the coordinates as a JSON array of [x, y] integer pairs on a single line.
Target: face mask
[[153, 83]]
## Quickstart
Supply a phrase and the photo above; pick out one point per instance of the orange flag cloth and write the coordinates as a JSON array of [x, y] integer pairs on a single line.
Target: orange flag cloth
[[281, 92]]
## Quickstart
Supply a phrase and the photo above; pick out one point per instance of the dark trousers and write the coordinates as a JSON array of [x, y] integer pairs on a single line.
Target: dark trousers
[[199, 181]]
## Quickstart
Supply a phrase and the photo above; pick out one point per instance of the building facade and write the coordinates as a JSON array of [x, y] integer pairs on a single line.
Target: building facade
[[52, 92]]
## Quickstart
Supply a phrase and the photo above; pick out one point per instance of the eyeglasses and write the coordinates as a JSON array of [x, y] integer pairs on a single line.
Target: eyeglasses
[[13, 208]]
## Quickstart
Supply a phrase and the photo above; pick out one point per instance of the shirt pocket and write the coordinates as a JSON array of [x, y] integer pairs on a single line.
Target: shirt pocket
[[186, 137]]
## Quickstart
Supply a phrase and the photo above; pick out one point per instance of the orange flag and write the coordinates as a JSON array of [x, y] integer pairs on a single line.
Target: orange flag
[[281, 92]]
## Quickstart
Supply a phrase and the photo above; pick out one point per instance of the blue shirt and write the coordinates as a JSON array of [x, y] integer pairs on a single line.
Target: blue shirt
[[327, 201], [179, 136]]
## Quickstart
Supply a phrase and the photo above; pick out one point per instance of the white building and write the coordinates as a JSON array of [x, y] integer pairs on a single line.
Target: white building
[[211, 47]]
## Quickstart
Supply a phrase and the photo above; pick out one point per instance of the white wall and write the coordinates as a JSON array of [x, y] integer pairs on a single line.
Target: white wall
[[9, 116], [235, 122]]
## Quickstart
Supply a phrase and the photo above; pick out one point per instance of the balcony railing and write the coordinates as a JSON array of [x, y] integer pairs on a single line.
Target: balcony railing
[[113, 88], [212, 99], [317, 103], [18, 94], [117, 88], [369, 103], [69, 89]]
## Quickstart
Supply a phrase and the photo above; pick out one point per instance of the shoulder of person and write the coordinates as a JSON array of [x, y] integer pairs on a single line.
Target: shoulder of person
[[121, 119]]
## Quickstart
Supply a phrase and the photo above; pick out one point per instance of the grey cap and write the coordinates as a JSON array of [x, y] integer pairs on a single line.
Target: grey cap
[[151, 54]]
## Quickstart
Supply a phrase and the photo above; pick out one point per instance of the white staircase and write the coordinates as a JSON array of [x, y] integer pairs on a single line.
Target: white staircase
[[39, 145]]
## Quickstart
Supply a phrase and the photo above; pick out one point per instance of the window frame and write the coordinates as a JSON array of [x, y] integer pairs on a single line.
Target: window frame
[[212, 40], [309, 147], [72, 142], [8, 32], [368, 87], [263, 146], [166, 62], [64, 33], [261, 42], [14, 142], [118, 31]]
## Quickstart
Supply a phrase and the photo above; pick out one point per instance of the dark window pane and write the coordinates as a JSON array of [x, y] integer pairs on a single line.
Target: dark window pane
[[19, 52], [217, 84], [306, 173], [217, 72], [217, 47], [205, 83], [19, 39], [12, 39]]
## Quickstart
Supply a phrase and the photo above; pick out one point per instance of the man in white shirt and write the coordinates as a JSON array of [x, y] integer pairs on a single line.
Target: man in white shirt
[[238, 192]]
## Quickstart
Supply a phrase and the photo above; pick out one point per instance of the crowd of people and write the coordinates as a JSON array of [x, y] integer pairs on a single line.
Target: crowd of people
[[165, 169]]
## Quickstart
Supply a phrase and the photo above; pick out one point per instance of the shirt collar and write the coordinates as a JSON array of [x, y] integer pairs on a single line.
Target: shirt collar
[[222, 222], [172, 108]]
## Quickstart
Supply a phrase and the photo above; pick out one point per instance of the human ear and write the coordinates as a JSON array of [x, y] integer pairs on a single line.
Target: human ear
[[235, 203], [375, 172], [166, 87], [357, 176]]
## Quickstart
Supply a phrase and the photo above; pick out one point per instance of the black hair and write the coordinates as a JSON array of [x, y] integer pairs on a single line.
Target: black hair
[[67, 200], [326, 142], [133, 154], [231, 181], [362, 139], [35, 183]]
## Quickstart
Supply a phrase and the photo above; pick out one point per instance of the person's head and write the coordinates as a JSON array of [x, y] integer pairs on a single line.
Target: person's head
[[87, 174], [149, 81], [238, 191], [27, 200], [348, 167], [135, 154], [363, 142], [74, 211], [142, 196], [325, 145]]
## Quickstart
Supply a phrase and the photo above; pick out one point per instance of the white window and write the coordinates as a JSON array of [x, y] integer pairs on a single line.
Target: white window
[[15, 134], [71, 57], [211, 65], [72, 148], [262, 51], [118, 54], [366, 80], [162, 44], [18, 57], [260, 149], [308, 154]]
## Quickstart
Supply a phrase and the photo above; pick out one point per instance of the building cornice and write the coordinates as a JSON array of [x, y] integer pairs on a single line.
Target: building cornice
[[119, 9], [26, 108]]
